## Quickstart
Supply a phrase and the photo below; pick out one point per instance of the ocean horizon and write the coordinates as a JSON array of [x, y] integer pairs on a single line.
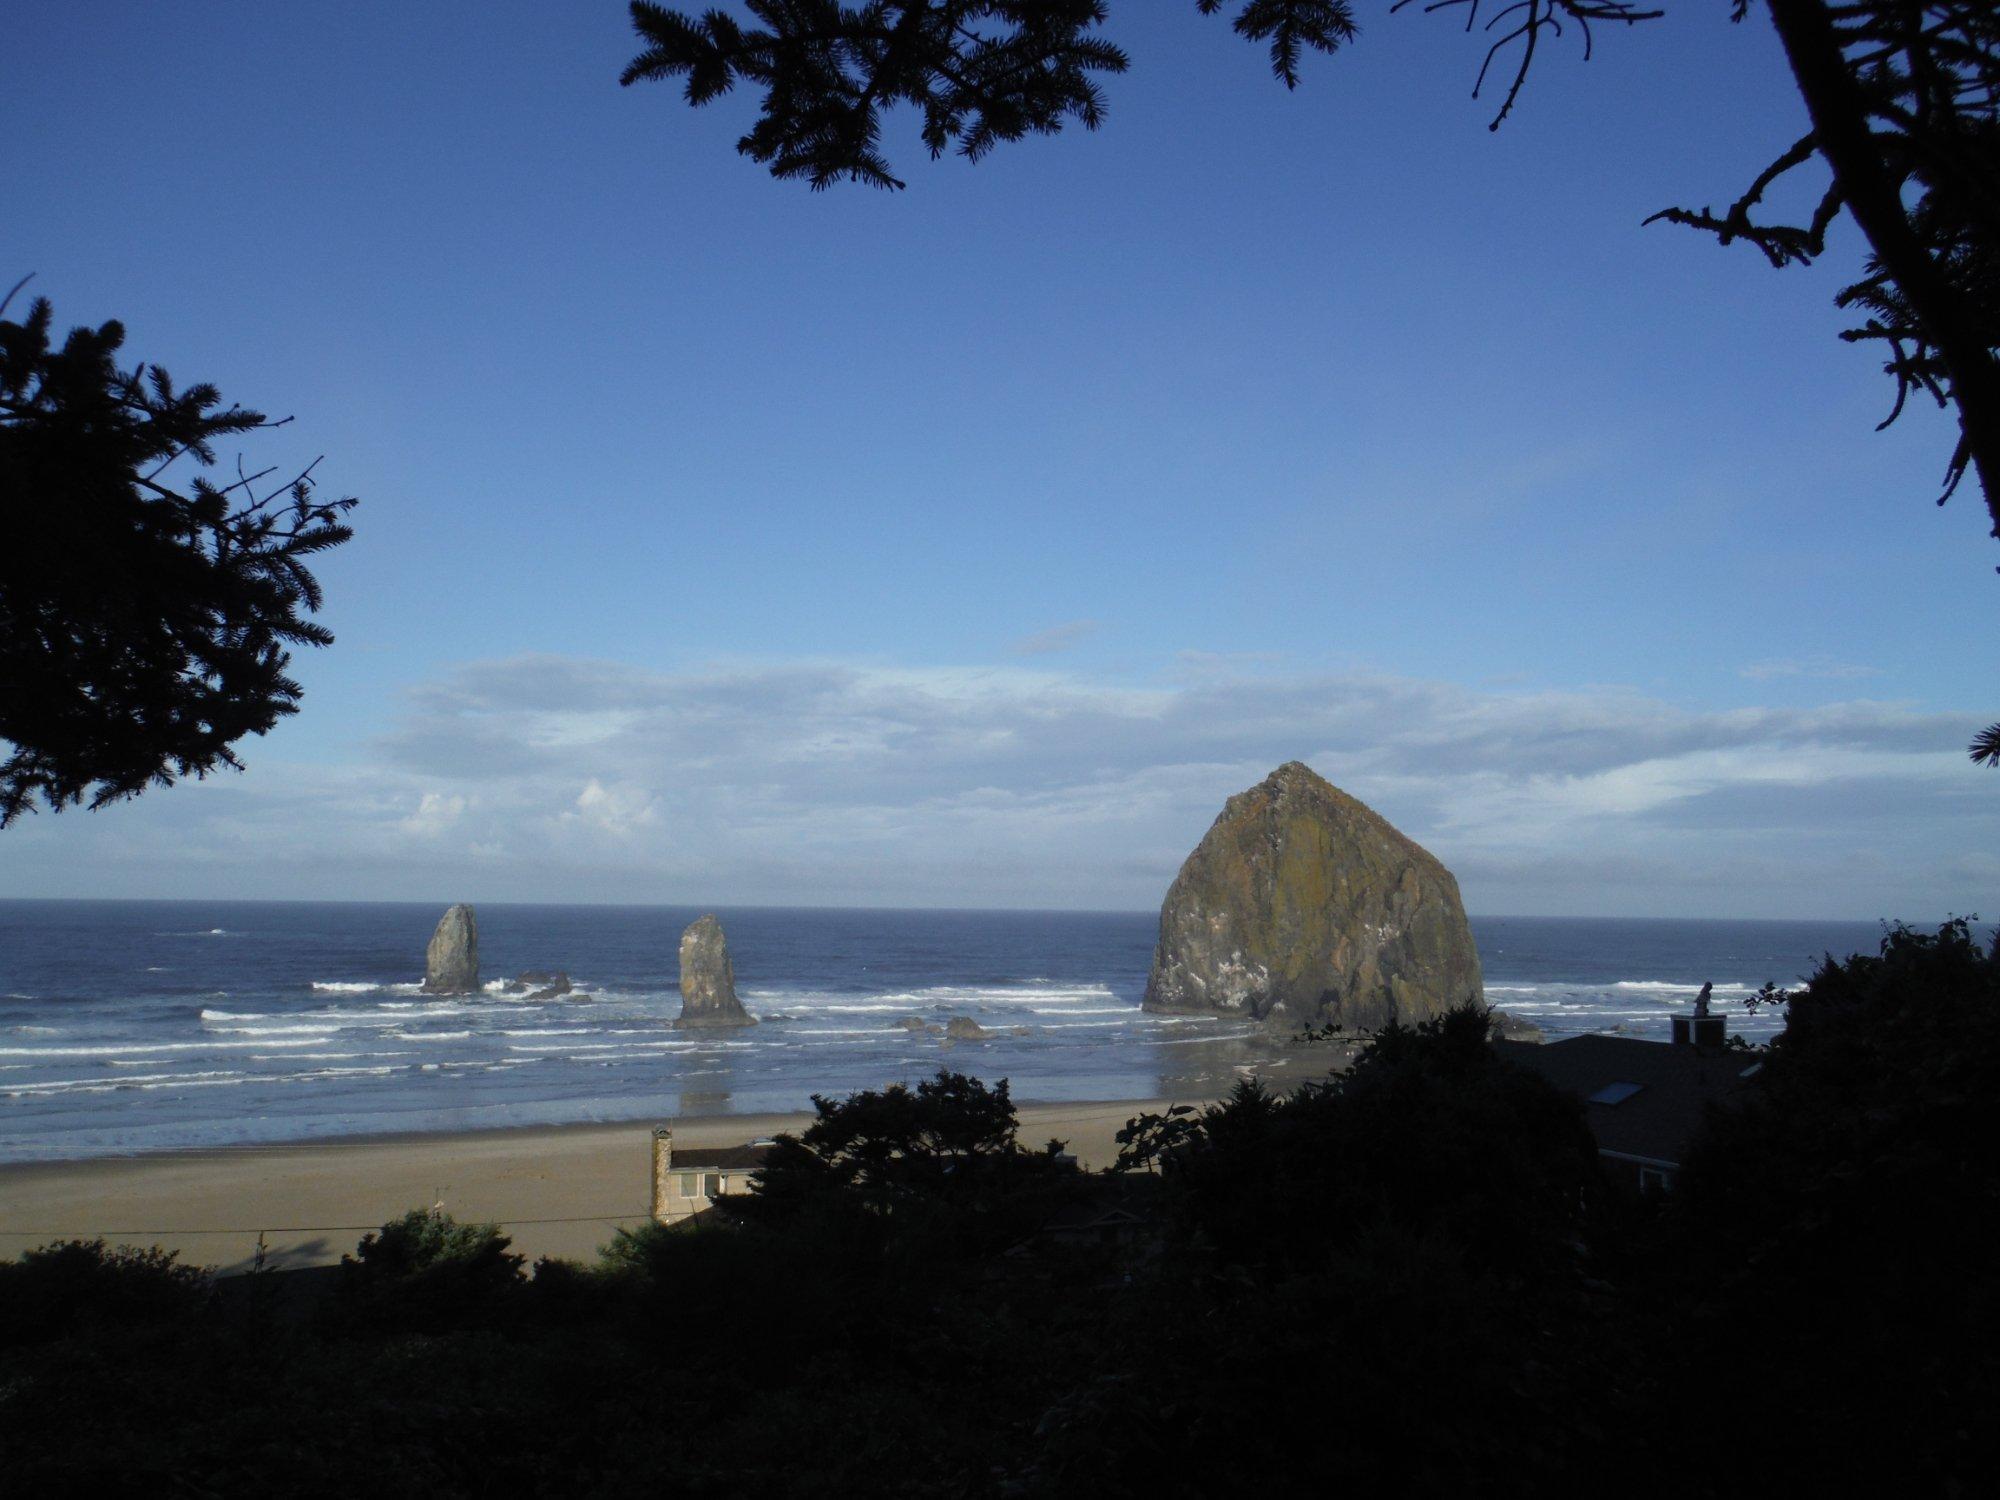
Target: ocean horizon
[[147, 1025]]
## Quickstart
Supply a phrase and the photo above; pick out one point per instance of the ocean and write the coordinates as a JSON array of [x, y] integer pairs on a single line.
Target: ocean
[[140, 1026]]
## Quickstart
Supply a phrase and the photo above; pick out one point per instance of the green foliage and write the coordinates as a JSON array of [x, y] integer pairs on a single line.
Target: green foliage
[[919, 1177], [1829, 1237], [1147, 1140], [56, 1290], [1429, 1135], [144, 630], [979, 71], [940, 1138], [426, 1270], [428, 1239], [1290, 26]]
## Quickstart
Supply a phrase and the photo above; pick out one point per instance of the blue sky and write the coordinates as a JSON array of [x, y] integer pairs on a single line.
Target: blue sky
[[725, 541]]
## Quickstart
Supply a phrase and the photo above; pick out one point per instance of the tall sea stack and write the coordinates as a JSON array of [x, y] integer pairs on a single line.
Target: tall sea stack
[[1301, 907], [451, 963], [708, 979]]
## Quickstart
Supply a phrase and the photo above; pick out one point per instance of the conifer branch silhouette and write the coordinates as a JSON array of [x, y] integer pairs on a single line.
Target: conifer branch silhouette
[[144, 630], [1903, 99]]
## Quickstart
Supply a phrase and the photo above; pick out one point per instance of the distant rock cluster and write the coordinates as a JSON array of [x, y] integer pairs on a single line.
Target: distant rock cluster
[[707, 978], [538, 985], [1303, 908], [958, 1029]]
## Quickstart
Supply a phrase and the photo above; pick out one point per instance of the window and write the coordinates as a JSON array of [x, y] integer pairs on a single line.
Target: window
[[1615, 1093], [711, 1185], [687, 1184]]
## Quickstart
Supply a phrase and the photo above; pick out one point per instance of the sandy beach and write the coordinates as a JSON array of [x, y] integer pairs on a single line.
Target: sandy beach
[[558, 1190]]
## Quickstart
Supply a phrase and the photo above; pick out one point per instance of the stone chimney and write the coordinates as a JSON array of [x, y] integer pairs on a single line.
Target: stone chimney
[[663, 1163], [1701, 1030]]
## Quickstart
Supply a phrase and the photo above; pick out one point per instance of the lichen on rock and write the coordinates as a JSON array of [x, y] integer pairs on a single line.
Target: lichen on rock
[[1302, 907]]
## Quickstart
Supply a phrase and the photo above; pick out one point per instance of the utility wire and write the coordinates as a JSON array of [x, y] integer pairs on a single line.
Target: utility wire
[[313, 1228]]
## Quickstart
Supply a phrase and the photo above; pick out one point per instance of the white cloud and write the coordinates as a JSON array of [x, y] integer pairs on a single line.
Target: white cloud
[[1822, 668], [1063, 637], [619, 809], [806, 782], [435, 813]]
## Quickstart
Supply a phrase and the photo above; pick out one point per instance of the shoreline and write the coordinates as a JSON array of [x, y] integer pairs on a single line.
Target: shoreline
[[559, 1190]]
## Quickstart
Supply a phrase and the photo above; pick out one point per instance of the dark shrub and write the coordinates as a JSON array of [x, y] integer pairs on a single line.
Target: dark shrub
[[1430, 1136], [426, 1272], [919, 1178], [63, 1288], [1829, 1242]]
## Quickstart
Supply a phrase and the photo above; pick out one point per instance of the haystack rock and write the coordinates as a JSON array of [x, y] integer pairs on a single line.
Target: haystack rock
[[1301, 907], [708, 979], [451, 963]]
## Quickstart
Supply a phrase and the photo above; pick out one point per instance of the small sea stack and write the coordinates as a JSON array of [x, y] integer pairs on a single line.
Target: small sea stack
[[1302, 908], [708, 979], [451, 963]]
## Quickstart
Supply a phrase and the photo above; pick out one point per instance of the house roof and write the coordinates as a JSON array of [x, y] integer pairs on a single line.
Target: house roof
[[1104, 1200], [717, 1158], [1102, 1212], [1659, 1116]]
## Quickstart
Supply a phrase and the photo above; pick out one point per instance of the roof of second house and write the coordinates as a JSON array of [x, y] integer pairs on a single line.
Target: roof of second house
[[717, 1158], [1641, 1098]]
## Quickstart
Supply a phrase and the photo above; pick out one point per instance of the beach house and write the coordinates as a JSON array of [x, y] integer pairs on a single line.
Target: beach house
[[1643, 1101], [688, 1180]]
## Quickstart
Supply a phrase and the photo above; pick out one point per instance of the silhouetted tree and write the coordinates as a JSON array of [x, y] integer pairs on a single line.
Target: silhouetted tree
[[942, 1137], [1902, 96], [1430, 1134], [918, 1178], [57, 1289], [426, 1270], [1828, 1237], [143, 629]]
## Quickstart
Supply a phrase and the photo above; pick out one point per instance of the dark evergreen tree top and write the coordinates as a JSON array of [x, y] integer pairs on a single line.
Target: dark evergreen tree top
[[143, 629], [985, 71]]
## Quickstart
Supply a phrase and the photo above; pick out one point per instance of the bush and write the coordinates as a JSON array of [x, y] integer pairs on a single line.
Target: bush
[[1826, 1241], [1431, 1135], [60, 1289], [426, 1272], [918, 1178]]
